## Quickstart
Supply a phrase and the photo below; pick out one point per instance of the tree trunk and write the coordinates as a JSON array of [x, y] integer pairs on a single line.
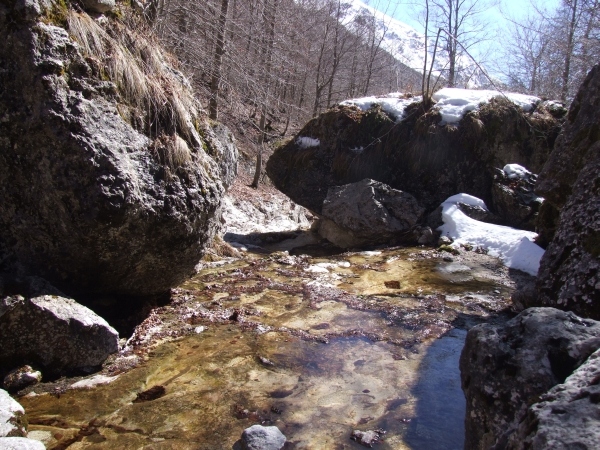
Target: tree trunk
[[213, 104]]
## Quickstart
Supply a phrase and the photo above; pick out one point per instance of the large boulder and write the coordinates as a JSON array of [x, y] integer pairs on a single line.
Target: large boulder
[[567, 416], [54, 333], [505, 368], [111, 177], [417, 154], [367, 212], [569, 275]]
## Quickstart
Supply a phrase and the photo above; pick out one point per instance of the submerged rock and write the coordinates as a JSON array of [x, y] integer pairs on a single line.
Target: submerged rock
[[505, 368], [12, 420], [258, 437], [101, 193], [569, 276], [367, 212], [567, 416], [55, 333]]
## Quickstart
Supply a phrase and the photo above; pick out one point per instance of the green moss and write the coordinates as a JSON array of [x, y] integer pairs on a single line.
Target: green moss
[[57, 13], [448, 249]]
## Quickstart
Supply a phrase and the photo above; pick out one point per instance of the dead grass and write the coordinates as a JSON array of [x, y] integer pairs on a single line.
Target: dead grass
[[145, 81]]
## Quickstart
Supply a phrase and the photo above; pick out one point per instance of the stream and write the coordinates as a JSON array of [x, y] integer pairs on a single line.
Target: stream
[[317, 345]]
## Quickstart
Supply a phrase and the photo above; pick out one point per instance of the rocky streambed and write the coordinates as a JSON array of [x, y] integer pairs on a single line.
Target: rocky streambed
[[318, 346]]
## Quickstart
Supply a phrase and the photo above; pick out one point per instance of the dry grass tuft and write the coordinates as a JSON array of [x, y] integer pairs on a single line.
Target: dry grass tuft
[[172, 151], [146, 82]]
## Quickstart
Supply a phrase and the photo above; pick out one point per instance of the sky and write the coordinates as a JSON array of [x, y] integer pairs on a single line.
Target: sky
[[407, 12]]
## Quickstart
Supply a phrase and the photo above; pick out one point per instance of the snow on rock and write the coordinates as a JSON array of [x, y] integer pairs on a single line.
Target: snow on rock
[[393, 104], [514, 247], [515, 171], [453, 103], [307, 142]]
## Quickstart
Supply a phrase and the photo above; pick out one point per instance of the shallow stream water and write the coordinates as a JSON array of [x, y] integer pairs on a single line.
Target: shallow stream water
[[318, 346]]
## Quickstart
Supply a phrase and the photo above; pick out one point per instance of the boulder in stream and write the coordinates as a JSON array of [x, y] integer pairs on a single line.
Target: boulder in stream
[[506, 368], [258, 437], [567, 416], [20, 443], [55, 333], [367, 212]]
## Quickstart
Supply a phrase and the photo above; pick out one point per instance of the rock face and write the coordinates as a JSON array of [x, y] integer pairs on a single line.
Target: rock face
[[367, 212], [568, 415], [99, 6], [12, 420], [416, 155], [258, 437], [101, 194], [504, 369], [20, 378], [55, 333], [569, 275]]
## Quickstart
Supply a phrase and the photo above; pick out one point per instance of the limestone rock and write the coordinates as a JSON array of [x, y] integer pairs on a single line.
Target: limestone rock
[[12, 420], [567, 416], [21, 378], [416, 155], [20, 443], [54, 333], [504, 369], [569, 275], [367, 212], [99, 6], [94, 198], [258, 437]]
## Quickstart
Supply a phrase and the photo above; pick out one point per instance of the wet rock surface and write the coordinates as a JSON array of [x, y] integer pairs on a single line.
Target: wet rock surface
[[258, 437], [317, 346], [111, 212], [506, 368], [569, 275], [567, 416], [367, 213], [54, 333]]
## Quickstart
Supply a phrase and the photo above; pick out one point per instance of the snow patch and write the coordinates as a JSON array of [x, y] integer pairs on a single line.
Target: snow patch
[[515, 248], [307, 142], [515, 171], [454, 103], [391, 104]]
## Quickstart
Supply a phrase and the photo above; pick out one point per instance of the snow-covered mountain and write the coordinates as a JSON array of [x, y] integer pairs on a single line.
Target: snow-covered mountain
[[407, 45]]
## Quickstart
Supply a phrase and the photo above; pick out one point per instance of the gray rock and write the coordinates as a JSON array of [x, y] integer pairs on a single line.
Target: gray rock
[[368, 212], [21, 378], [505, 368], [89, 201], [12, 420], [567, 416], [54, 333], [31, 9], [258, 437], [99, 6], [569, 274], [20, 443]]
